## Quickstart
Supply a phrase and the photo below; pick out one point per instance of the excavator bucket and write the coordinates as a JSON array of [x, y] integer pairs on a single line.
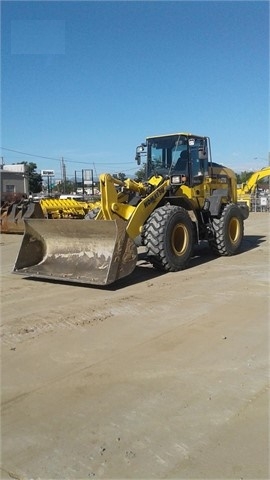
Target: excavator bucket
[[95, 252]]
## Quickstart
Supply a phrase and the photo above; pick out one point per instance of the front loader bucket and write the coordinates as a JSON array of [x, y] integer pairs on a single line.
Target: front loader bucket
[[8, 224], [96, 252], [12, 221]]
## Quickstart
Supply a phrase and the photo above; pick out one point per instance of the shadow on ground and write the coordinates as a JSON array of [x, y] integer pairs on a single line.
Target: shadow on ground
[[202, 254]]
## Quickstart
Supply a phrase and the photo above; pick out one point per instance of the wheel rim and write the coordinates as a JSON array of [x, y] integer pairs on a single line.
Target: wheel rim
[[179, 239], [234, 229]]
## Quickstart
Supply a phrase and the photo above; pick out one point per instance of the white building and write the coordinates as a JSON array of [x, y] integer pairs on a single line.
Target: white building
[[14, 182]]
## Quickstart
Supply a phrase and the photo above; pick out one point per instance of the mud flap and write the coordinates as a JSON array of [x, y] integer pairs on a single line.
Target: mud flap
[[96, 252]]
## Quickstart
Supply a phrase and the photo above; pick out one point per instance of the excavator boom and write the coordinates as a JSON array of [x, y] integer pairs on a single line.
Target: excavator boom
[[247, 189]]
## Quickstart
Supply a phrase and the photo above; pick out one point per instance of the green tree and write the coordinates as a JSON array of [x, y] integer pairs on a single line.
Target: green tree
[[140, 175], [35, 179], [66, 187], [121, 176], [243, 176]]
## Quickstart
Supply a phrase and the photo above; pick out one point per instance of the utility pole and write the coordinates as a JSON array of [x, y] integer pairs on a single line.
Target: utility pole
[[83, 183], [61, 170], [63, 174], [92, 181], [75, 181]]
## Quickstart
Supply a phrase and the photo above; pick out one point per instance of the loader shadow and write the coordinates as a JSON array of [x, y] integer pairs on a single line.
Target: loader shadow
[[251, 241], [144, 271]]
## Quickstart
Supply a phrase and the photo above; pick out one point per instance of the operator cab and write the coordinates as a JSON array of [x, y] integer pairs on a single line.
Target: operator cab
[[183, 157]]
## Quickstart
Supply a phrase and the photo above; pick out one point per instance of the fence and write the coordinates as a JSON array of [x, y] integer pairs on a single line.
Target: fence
[[260, 203]]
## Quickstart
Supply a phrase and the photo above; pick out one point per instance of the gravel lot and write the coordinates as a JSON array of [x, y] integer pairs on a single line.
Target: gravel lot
[[159, 376]]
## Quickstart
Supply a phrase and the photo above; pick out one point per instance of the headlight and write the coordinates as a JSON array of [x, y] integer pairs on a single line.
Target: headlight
[[178, 179]]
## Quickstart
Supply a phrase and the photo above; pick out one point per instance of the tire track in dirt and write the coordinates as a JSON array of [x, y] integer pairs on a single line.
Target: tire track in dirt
[[21, 329], [25, 328]]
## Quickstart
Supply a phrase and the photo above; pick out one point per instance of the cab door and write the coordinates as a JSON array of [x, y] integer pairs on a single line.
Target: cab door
[[198, 154]]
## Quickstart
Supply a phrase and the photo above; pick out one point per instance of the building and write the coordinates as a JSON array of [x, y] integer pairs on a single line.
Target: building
[[14, 182]]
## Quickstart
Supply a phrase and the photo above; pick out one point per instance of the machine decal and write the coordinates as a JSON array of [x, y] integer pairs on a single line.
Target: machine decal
[[154, 197]]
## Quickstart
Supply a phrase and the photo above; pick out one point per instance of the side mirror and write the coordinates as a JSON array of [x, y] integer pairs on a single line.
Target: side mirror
[[139, 151], [203, 155], [138, 158]]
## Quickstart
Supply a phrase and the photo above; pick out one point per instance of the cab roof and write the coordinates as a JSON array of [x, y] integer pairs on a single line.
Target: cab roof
[[177, 133]]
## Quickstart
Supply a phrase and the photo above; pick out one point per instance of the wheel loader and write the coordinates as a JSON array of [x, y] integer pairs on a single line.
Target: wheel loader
[[185, 199]]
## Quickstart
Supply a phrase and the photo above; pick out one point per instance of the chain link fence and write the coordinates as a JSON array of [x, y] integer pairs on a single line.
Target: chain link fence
[[260, 202]]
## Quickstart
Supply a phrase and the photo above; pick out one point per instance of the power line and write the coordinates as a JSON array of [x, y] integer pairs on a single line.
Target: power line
[[29, 154], [58, 159]]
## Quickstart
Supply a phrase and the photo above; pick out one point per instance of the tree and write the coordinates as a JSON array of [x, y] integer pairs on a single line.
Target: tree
[[66, 187], [121, 176], [243, 176], [140, 175], [35, 179]]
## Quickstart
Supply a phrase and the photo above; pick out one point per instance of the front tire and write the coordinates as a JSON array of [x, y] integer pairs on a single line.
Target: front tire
[[228, 231], [169, 238]]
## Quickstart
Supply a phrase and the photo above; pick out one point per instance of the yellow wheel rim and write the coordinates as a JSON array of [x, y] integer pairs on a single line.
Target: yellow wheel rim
[[234, 230], [179, 239]]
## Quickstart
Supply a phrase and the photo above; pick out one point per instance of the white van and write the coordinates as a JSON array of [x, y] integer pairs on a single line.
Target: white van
[[70, 196]]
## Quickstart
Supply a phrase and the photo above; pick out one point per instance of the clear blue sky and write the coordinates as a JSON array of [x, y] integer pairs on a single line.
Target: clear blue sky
[[88, 81]]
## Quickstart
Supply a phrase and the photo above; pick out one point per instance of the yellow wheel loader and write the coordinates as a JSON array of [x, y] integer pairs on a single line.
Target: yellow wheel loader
[[185, 199]]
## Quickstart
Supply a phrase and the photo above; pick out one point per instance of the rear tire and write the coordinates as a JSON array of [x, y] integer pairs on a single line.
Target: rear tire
[[169, 238], [228, 231]]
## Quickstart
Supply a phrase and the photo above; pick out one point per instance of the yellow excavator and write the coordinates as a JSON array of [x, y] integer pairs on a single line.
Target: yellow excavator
[[185, 199], [248, 188]]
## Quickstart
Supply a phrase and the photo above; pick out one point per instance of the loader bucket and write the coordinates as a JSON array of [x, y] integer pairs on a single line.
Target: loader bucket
[[96, 252], [8, 224], [12, 221]]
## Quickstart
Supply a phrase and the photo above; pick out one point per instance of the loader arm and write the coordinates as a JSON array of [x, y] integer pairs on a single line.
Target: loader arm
[[142, 212], [115, 205]]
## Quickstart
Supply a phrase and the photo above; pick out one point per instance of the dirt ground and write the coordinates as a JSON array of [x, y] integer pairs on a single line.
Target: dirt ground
[[159, 376]]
